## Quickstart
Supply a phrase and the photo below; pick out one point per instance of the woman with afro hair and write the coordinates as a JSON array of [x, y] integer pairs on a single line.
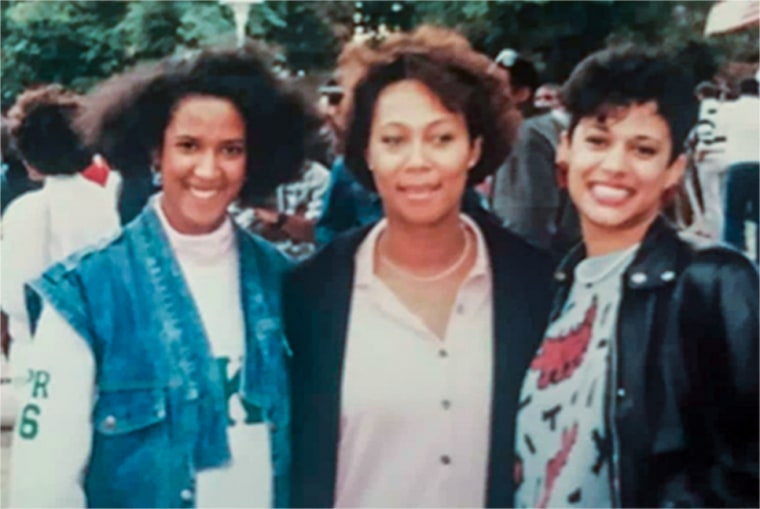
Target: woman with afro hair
[[159, 365]]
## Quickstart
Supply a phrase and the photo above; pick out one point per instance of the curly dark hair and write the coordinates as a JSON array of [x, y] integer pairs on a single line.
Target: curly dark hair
[[629, 75], [41, 126], [125, 118], [463, 80]]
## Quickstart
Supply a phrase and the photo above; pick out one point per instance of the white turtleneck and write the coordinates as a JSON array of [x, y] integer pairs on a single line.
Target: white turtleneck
[[58, 453]]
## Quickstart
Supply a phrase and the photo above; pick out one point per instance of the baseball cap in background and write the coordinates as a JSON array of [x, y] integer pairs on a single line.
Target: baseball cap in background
[[522, 72]]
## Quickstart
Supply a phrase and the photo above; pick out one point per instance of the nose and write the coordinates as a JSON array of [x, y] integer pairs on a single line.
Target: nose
[[417, 159], [206, 166], [614, 159]]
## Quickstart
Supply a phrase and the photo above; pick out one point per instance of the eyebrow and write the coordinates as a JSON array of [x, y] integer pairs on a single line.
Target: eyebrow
[[638, 137], [196, 137], [643, 137], [435, 123]]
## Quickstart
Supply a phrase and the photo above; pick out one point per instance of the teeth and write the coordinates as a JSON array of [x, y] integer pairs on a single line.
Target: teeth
[[203, 194], [610, 193], [419, 193]]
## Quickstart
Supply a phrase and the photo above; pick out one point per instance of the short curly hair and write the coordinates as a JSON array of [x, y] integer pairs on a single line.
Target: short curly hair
[[125, 118], [41, 126], [463, 80], [628, 75]]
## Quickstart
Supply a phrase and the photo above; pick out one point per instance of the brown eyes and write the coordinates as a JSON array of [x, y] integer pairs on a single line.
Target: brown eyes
[[190, 146], [187, 146], [391, 140], [599, 142], [646, 151], [395, 141], [234, 150]]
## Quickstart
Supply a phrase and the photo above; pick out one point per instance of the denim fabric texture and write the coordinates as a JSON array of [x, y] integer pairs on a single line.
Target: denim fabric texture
[[160, 414]]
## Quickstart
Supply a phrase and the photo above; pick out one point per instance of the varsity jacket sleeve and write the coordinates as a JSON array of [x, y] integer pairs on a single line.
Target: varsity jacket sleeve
[[52, 437], [23, 253]]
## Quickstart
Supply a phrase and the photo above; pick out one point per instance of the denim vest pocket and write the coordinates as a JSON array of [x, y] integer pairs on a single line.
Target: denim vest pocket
[[134, 461], [120, 412]]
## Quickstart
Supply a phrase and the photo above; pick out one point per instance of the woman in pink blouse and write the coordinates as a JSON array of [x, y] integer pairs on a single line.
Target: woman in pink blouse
[[410, 336]]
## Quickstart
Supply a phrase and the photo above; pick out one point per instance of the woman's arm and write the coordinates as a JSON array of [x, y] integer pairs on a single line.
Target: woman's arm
[[722, 358], [52, 438]]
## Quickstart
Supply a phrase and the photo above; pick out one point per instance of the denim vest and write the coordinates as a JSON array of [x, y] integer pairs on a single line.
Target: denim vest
[[160, 414]]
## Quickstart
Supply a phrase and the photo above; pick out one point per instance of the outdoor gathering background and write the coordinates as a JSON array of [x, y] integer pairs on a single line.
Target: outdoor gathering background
[[79, 43]]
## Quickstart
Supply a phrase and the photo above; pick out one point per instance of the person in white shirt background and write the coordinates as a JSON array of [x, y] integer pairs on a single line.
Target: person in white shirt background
[[68, 213], [740, 198], [157, 357]]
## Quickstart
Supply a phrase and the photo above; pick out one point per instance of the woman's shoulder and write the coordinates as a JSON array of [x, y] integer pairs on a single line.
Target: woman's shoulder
[[335, 258], [25, 208], [507, 244], [714, 257], [263, 249]]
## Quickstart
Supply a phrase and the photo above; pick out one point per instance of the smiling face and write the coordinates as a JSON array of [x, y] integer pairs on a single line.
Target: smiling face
[[618, 170], [419, 154], [203, 163]]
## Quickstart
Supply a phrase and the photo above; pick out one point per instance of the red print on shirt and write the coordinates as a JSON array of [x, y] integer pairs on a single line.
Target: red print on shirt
[[555, 465], [97, 172], [560, 356]]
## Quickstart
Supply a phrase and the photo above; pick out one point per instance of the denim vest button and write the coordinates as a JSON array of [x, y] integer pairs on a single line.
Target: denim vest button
[[109, 422], [186, 495]]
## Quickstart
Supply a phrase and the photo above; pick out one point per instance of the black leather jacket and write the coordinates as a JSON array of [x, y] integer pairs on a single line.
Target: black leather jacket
[[683, 413]]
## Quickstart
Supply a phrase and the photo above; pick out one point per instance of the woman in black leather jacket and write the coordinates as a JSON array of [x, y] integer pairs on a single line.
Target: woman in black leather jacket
[[644, 391]]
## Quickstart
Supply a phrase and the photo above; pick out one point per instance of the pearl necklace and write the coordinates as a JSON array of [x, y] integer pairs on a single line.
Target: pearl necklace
[[435, 277]]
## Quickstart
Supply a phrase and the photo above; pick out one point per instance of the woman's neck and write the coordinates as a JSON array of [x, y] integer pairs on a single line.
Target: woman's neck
[[426, 249], [601, 241]]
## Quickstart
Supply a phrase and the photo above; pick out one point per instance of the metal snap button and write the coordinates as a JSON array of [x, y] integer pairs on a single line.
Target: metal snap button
[[186, 495], [272, 427], [668, 275], [621, 393], [109, 422], [560, 276], [639, 278]]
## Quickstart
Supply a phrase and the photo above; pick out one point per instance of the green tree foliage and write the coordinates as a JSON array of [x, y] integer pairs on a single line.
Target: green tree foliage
[[302, 29], [77, 43], [61, 42]]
